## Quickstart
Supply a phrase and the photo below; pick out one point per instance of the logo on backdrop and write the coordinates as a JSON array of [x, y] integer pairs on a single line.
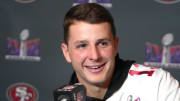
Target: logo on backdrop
[[168, 1], [105, 3], [169, 57], [22, 92], [24, 1], [25, 50]]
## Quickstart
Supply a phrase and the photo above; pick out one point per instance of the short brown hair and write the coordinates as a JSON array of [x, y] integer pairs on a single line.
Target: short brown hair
[[89, 12]]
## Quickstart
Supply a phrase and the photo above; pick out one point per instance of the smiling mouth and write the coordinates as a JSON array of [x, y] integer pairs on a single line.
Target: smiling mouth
[[95, 66]]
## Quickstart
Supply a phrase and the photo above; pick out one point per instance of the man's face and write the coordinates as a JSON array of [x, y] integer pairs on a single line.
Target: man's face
[[91, 49]]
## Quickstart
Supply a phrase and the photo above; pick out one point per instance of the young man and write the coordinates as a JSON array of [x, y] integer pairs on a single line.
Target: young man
[[91, 45]]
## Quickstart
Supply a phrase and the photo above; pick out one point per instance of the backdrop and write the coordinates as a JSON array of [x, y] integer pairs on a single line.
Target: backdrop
[[37, 66]]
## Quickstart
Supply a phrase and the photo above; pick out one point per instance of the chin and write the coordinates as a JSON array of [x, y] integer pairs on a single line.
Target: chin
[[99, 83]]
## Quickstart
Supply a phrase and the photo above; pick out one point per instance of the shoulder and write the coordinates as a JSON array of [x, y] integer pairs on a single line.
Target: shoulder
[[148, 83], [152, 76], [145, 70]]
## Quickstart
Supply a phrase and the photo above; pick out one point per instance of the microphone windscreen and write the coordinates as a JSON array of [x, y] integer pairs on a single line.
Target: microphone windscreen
[[76, 92]]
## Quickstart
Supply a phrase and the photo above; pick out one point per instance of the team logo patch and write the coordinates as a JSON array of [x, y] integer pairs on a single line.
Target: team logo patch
[[22, 92], [168, 1], [105, 3], [168, 57], [25, 50], [24, 1]]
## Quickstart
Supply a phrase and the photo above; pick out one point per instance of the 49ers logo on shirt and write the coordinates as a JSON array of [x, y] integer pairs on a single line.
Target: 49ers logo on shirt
[[22, 92]]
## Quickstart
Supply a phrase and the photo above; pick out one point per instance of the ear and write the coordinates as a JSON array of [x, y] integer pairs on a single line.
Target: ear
[[116, 44], [65, 50]]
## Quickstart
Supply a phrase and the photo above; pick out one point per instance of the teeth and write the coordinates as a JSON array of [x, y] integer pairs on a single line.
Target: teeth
[[94, 67]]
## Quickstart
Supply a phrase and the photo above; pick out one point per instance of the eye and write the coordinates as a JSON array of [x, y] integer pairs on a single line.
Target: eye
[[103, 43], [81, 46]]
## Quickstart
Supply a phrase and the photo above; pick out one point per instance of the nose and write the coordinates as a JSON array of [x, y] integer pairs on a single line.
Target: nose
[[94, 54]]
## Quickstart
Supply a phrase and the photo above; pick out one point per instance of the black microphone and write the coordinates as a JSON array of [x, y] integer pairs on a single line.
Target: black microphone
[[76, 92]]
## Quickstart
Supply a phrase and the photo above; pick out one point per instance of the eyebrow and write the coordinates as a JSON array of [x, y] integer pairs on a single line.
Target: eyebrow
[[80, 41], [85, 41], [105, 39]]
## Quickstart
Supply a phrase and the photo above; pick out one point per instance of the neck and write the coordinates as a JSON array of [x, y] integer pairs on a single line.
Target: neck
[[95, 91]]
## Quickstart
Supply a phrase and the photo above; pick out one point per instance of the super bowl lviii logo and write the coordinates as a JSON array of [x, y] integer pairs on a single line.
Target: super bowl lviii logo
[[168, 1], [105, 3], [24, 50], [24, 1], [168, 57], [22, 92]]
